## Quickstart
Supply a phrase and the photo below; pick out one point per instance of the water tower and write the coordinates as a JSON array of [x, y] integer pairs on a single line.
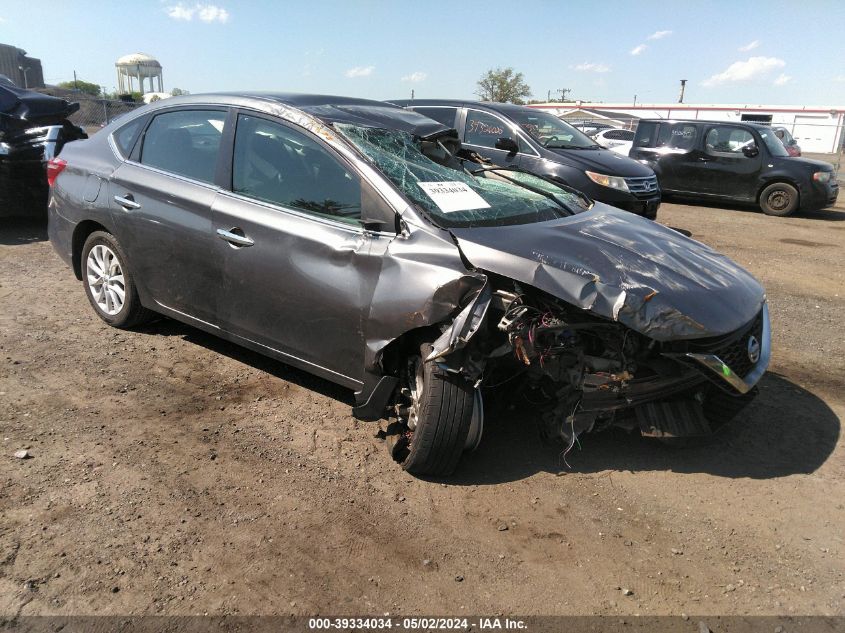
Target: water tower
[[138, 67]]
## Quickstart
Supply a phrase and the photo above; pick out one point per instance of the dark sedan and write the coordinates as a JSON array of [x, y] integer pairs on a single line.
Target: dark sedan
[[361, 242]]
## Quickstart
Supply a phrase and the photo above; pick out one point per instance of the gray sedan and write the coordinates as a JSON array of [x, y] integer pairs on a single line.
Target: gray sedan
[[359, 241]]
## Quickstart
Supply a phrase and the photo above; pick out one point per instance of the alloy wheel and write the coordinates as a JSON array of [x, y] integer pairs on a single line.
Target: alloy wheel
[[104, 273]]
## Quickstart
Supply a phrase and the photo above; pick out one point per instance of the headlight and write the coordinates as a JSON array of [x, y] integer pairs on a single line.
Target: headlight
[[822, 176], [614, 182]]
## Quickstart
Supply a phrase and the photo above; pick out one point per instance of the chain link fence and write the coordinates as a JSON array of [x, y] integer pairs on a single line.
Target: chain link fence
[[94, 114]]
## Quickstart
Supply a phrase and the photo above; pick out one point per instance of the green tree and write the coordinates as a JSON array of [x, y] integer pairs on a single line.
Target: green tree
[[85, 87], [503, 85], [178, 91]]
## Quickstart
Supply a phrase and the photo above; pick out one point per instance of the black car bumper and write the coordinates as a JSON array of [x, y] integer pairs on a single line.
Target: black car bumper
[[819, 196]]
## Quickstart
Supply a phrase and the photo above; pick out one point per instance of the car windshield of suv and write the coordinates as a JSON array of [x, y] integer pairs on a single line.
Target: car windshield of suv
[[550, 131], [454, 198], [772, 142]]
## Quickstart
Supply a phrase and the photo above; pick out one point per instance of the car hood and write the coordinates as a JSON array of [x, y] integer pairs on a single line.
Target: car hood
[[625, 268], [602, 161]]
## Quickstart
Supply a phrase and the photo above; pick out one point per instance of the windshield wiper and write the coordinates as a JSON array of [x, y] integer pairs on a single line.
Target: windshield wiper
[[537, 190]]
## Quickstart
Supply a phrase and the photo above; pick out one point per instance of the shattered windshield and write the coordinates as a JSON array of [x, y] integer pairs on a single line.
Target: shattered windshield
[[454, 198]]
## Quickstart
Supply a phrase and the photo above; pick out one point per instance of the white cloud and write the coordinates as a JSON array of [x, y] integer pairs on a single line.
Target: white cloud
[[2, 19], [839, 79], [782, 79], [749, 70], [592, 67], [659, 35], [638, 49], [749, 47], [205, 12], [360, 71], [415, 77]]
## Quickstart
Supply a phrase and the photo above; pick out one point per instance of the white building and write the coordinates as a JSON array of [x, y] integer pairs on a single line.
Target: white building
[[818, 129]]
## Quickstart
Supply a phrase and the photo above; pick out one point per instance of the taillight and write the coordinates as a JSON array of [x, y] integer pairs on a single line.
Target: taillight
[[55, 166]]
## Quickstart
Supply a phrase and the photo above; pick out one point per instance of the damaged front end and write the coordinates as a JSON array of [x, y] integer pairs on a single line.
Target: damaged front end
[[580, 372]]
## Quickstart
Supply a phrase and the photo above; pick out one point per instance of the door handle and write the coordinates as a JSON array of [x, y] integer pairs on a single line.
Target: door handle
[[237, 239], [127, 202]]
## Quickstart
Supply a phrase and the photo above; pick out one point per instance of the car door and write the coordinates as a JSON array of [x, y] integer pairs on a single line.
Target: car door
[[673, 150], [732, 169], [161, 200], [479, 132], [298, 267]]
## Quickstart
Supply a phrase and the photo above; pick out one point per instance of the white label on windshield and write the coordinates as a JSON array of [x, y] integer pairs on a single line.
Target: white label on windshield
[[453, 196]]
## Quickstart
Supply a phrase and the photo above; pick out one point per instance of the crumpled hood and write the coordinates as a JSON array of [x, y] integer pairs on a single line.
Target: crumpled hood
[[622, 267], [603, 161]]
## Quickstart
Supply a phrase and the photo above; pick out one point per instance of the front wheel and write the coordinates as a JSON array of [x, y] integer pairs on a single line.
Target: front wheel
[[779, 199], [439, 416], [109, 284]]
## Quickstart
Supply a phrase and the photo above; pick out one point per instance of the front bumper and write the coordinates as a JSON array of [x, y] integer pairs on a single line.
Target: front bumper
[[719, 370]]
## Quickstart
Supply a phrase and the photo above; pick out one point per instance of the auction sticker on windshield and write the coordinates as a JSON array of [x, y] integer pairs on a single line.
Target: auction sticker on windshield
[[453, 196]]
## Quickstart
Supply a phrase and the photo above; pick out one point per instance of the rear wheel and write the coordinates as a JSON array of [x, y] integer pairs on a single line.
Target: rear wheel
[[108, 282], [438, 418], [779, 199]]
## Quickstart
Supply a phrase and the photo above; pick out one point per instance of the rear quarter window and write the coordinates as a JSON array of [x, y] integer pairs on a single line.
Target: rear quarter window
[[443, 115], [125, 136]]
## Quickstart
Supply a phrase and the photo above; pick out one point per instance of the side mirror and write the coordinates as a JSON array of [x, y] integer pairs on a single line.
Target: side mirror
[[750, 151], [507, 144]]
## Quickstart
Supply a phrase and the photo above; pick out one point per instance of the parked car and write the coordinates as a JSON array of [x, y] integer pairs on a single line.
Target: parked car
[[616, 139], [738, 162], [360, 242], [590, 128], [543, 144], [791, 145], [33, 128]]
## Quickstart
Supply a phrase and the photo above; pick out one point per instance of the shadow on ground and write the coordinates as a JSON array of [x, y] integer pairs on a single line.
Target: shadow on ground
[[16, 231], [169, 327], [786, 430]]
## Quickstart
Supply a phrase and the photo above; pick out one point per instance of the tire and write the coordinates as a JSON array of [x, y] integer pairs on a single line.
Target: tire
[[102, 252], [780, 199], [442, 422]]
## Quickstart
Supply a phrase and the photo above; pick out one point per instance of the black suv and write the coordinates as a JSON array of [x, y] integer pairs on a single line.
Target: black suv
[[539, 142], [741, 162]]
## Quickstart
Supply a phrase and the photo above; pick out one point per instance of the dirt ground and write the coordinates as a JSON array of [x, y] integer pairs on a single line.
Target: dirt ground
[[174, 473]]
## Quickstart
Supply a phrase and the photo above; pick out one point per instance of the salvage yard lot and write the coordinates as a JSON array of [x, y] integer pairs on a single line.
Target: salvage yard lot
[[175, 473]]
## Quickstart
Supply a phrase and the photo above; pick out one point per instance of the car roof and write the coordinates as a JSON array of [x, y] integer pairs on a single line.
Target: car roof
[[462, 103], [328, 109]]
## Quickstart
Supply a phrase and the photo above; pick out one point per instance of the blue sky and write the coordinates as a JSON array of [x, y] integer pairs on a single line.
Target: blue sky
[[731, 52]]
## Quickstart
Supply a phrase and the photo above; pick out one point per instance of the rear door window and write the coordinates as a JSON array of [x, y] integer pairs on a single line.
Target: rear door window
[[443, 115], [683, 136], [185, 142]]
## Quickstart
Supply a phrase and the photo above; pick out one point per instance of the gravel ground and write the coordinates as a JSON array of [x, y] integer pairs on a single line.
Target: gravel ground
[[173, 473]]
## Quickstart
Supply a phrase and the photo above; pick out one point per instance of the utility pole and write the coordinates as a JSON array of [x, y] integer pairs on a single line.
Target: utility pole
[[75, 82], [563, 92], [412, 94], [683, 87], [635, 100]]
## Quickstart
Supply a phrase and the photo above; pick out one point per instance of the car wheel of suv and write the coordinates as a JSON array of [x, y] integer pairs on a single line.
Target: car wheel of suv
[[779, 199], [438, 418], [108, 282]]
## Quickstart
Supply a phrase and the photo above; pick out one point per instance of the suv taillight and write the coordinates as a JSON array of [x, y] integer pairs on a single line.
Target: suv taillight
[[55, 166]]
